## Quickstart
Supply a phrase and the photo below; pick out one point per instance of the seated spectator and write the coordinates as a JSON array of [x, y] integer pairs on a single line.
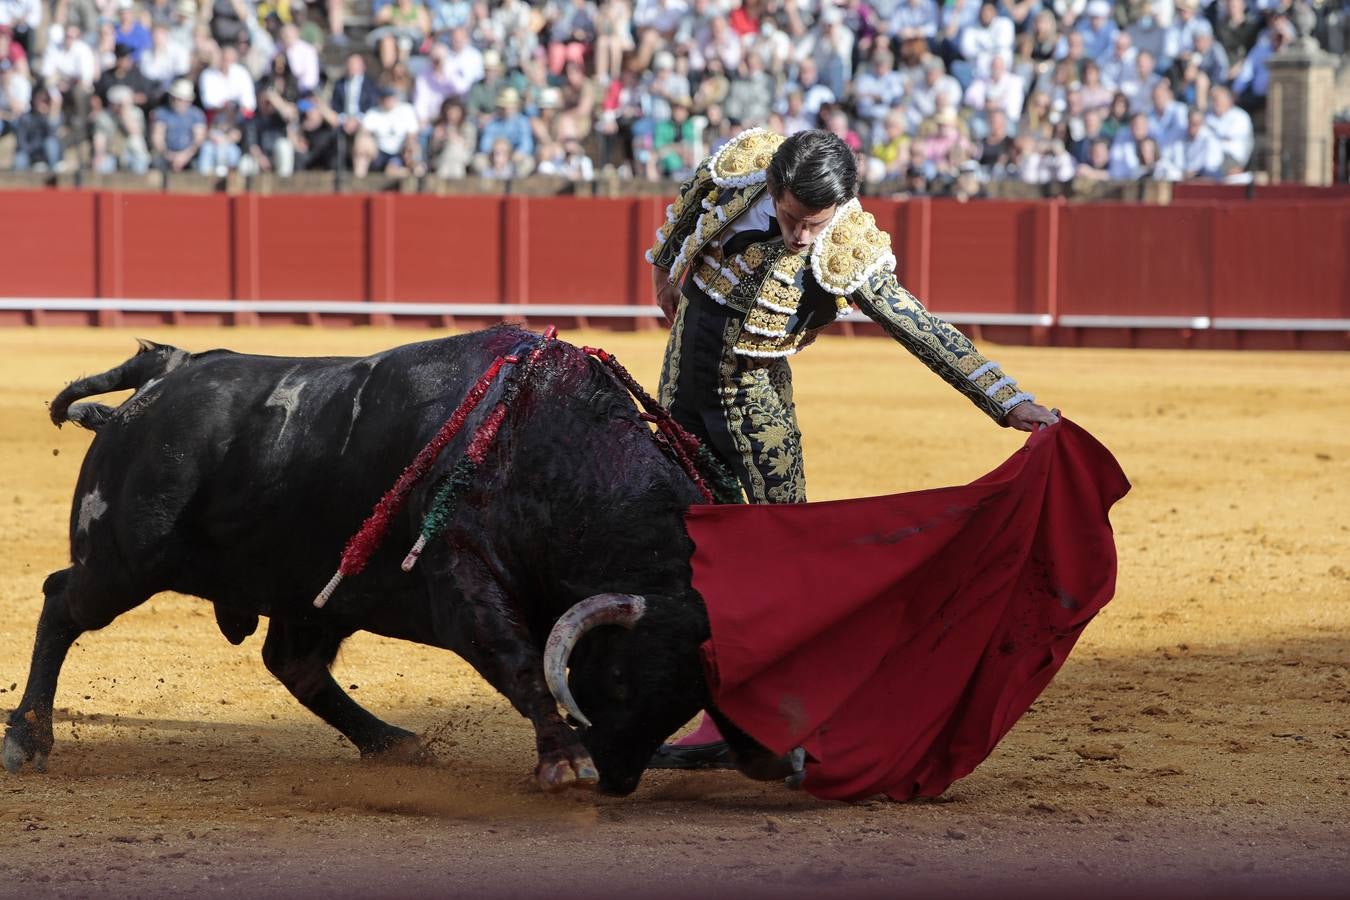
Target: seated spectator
[[318, 137], [400, 27], [877, 89], [1252, 81], [224, 81], [1166, 117], [1236, 32], [1125, 159], [1209, 55], [1097, 165], [891, 148], [613, 38], [131, 32], [999, 88], [1047, 162], [37, 135], [1119, 65], [228, 20], [1038, 116], [499, 163], [118, 132], [814, 93], [510, 28], [1152, 165], [1046, 43], [220, 152], [795, 118], [1098, 29], [124, 72], [1179, 36], [432, 87], [1095, 94], [580, 99], [267, 142], [656, 22], [937, 89], [463, 64], [751, 95], [354, 94], [23, 18], [837, 124], [571, 33], [994, 151], [1231, 125], [1147, 31], [177, 130], [453, 141], [302, 57], [1117, 119], [914, 19], [1198, 155], [388, 138], [720, 43], [511, 126], [1075, 51], [943, 144], [69, 64], [713, 87], [830, 44], [991, 35], [674, 144], [280, 81], [968, 184], [163, 62], [1138, 85], [481, 99], [1081, 144]]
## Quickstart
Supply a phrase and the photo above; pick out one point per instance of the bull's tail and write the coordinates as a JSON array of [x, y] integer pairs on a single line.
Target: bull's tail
[[151, 361]]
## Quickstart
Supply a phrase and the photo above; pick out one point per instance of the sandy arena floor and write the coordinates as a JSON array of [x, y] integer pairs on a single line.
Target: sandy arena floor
[[1199, 736]]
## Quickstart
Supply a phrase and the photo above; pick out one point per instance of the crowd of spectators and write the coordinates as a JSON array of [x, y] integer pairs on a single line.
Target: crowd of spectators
[[939, 96]]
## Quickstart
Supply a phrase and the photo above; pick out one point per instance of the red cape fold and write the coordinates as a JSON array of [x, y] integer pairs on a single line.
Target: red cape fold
[[898, 638]]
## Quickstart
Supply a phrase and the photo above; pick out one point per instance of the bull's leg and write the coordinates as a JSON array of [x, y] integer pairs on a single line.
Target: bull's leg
[[299, 657], [74, 602], [500, 649]]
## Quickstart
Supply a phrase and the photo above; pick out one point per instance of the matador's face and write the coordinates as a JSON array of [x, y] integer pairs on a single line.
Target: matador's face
[[799, 223]]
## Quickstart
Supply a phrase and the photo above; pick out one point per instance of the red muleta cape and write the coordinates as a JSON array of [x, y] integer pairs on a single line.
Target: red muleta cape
[[897, 639]]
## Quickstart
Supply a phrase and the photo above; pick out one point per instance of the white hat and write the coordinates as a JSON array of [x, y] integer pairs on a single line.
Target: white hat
[[1098, 9], [664, 60], [182, 89]]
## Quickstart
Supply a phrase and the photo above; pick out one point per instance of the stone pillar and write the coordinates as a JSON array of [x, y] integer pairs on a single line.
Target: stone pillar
[[1299, 109]]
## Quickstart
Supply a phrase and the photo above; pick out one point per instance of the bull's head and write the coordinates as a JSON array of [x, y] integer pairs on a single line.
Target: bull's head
[[634, 679]]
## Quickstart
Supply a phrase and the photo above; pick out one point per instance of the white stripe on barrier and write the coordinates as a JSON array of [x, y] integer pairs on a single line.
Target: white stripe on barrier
[[977, 318], [1283, 324], [599, 311], [1134, 321]]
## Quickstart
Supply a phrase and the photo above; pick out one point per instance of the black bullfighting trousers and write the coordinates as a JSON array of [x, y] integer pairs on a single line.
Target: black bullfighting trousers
[[740, 407]]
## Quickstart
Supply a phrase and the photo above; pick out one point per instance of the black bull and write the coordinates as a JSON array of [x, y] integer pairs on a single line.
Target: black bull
[[239, 478]]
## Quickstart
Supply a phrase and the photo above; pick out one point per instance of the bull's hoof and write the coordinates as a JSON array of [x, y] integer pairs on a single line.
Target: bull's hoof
[[398, 746], [15, 756], [558, 774]]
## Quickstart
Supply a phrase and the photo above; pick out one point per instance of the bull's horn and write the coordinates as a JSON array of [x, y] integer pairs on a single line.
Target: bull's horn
[[602, 609]]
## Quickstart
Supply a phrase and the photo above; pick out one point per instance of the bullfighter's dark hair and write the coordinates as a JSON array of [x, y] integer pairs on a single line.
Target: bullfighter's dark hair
[[817, 167]]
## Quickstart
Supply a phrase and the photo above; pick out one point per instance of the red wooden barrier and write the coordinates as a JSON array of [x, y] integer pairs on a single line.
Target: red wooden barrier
[[1162, 271]]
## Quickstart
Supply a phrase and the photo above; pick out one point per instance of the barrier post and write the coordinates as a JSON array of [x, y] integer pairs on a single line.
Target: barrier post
[[244, 254], [382, 251]]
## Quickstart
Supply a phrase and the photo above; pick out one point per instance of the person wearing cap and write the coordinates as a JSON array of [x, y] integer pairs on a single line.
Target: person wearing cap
[[510, 125], [765, 246], [387, 141], [123, 72], [316, 137], [177, 130], [481, 99]]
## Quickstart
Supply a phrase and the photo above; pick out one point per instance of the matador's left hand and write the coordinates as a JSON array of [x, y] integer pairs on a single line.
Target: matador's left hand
[[1029, 415]]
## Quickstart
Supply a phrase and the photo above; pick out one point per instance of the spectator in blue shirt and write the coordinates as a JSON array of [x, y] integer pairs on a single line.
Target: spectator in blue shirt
[[508, 124], [130, 31], [177, 130]]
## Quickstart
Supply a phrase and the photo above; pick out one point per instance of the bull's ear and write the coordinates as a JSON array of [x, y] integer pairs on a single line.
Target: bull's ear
[[146, 346]]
